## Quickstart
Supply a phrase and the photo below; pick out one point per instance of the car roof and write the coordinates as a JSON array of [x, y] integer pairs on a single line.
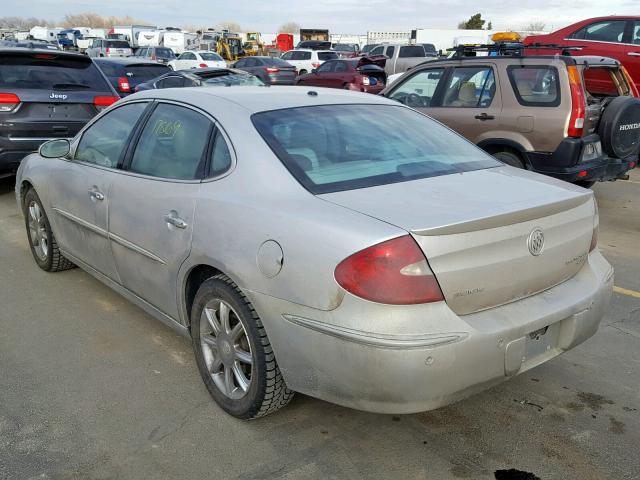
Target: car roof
[[264, 98]]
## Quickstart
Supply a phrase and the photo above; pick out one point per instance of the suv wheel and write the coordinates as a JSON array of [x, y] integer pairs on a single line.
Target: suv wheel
[[233, 353], [42, 242], [509, 158], [302, 72]]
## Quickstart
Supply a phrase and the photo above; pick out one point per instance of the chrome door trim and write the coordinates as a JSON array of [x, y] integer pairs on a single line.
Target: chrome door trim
[[132, 246], [83, 223]]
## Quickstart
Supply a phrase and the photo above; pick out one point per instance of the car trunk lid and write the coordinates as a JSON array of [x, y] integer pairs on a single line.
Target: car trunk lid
[[477, 228]]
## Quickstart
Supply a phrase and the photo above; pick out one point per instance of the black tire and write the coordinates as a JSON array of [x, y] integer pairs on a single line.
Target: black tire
[[510, 159], [585, 183], [267, 391], [619, 127], [52, 260], [302, 72]]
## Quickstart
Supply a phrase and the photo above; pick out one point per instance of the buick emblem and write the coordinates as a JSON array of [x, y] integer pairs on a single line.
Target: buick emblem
[[535, 242]]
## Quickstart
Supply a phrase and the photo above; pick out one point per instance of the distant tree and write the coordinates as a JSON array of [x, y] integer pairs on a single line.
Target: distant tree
[[20, 23], [489, 25], [536, 26], [95, 20], [462, 25], [474, 23], [229, 25], [289, 27]]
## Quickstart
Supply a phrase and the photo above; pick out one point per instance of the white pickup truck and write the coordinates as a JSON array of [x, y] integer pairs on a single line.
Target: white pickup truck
[[401, 57]]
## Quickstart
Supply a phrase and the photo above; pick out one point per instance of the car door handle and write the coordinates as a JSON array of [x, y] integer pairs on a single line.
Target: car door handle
[[634, 54], [484, 116], [172, 218], [98, 195]]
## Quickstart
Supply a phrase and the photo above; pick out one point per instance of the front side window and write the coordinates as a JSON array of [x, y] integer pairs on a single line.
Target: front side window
[[326, 67], [470, 87], [341, 67], [172, 144], [535, 85], [103, 143], [390, 51], [333, 148], [418, 91], [610, 31], [377, 50]]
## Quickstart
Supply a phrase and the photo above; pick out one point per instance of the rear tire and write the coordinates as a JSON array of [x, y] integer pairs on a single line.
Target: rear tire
[[509, 158], [585, 183], [302, 72], [233, 353], [42, 241]]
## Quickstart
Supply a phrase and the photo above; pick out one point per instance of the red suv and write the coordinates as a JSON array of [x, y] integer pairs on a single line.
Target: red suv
[[616, 37]]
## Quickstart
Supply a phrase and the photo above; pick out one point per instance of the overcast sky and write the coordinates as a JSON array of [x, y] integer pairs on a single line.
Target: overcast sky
[[340, 16]]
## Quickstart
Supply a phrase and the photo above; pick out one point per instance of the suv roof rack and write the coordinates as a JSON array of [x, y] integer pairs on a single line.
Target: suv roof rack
[[510, 49]]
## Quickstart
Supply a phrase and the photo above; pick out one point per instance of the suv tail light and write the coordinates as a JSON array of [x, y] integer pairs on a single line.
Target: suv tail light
[[393, 272], [272, 70], [9, 102], [203, 65], [578, 103], [108, 51], [632, 84], [315, 64], [123, 85], [102, 102]]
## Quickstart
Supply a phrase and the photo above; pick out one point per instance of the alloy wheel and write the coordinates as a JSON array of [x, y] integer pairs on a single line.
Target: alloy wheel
[[38, 231]]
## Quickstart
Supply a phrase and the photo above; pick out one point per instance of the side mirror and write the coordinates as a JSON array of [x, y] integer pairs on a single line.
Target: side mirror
[[55, 148]]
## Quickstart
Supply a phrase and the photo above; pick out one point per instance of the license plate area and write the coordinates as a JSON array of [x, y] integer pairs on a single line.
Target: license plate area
[[541, 342]]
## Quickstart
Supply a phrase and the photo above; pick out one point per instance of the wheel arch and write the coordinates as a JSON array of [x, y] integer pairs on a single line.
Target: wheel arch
[[496, 145]]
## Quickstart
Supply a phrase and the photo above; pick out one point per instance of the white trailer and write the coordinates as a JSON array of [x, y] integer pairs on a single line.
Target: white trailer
[[180, 41], [131, 32], [45, 33], [151, 38], [388, 37]]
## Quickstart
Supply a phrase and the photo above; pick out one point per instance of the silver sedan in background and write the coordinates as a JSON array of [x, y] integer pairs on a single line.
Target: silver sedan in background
[[320, 241]]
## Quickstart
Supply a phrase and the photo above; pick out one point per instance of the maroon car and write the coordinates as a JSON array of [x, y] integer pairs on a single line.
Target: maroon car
[[362, 74]]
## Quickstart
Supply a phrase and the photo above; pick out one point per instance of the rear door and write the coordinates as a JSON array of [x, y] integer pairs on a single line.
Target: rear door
[[468, 103], [152, 203], [603, 38], [324, 75], [632, 60], [80, 188]]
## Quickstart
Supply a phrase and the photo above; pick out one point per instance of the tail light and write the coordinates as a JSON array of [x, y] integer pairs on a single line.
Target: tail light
[[203, 65], [108, 51], [596, 223], [102, 102], [123, 85], [272, 70], [578, 103], [315, 64], [632, 84], [9, 102], [393, 272]]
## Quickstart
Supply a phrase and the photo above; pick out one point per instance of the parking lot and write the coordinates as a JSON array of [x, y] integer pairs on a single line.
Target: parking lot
[[92, 387]]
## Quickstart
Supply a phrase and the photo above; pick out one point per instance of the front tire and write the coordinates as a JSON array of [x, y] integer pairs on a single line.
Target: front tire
[[233, 353], [42, 241], [302, 72]]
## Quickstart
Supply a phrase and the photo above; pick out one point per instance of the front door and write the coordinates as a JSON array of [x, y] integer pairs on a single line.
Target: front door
[[80, 188], [152, 203]]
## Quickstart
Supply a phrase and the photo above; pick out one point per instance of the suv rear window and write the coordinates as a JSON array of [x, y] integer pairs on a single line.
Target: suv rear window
[[535, 85], [117, 44], [331, 148], [327, 56], [48, 71], [165, 53], [412, 51]]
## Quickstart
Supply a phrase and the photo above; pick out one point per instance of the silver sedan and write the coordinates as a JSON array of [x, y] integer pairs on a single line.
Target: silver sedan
[[326, 242]]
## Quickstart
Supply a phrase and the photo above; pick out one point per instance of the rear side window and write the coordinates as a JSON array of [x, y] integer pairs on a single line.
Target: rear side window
[[50, 72], [103, 142], [327, 55], [301, 56], [412, 51], [172, 144], [220, 156], [331, 148], [535, 85]]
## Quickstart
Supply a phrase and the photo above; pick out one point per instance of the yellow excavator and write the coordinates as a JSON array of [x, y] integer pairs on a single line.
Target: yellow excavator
[[254, 44], [229, 46]]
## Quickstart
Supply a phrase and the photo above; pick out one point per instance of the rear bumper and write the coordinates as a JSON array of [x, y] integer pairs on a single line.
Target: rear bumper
[[12, 151], [280, 80], [406, 359], [603, 169]]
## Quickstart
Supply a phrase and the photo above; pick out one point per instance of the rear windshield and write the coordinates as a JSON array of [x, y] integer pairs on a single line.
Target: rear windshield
[[49, 72], [276, 62], [210, 56], [165, 53], [332, 148], [139, 72], [117, 44], [605, 82], [345, 47], [412, 51], [535, 85], [327, 55], [228, 80]]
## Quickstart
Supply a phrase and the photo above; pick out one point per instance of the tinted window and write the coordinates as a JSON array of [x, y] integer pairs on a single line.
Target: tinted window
[[227, 80], [612, 31], [117, 44], [220, 157], [172, 144], [188, 56], [287, 56], [250, 62], [341, 67], [327, 55], [301, 56], [419, 89], [390, 51], [164, 53], [342, 147], [326, 67], [377, 51], [211, 56], [172, 81], [470, 87], [55, 72], [429, 48], [103, 142], [241, 63], [535, 86], [412, 51]]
